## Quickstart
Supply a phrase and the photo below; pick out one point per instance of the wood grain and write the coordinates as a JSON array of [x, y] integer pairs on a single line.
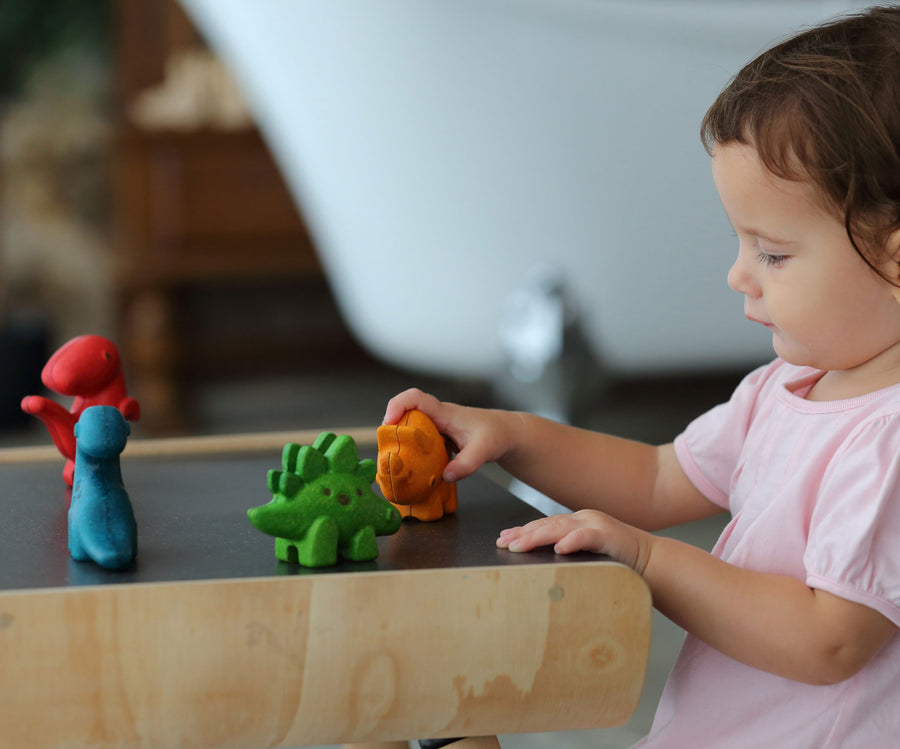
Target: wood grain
[[323, 659]]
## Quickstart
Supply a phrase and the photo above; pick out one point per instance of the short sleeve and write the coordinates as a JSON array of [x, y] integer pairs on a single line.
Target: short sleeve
[[710, 448], [854, 537]]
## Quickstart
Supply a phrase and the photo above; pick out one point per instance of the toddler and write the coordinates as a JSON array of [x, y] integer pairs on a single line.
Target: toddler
[[792, 618]]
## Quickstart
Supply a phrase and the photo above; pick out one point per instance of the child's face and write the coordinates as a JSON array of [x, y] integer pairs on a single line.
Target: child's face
[[799, 273]]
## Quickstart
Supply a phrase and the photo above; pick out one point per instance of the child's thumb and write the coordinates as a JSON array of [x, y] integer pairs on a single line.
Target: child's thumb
[[460, 467]]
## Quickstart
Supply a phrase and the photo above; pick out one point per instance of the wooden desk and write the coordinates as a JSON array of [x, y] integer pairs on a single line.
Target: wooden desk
[[209, 641]]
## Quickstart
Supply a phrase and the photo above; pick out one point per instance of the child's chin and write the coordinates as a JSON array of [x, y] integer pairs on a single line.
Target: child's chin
[[792, 355], [787, 352]]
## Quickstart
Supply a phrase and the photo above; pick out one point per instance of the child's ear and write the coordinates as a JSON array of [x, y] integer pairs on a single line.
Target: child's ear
[[892, 267]]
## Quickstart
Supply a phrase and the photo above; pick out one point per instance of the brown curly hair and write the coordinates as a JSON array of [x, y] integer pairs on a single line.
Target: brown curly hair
[[824, 106]]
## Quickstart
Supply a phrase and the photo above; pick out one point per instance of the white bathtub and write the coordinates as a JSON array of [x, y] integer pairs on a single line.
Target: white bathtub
[[440, 149]]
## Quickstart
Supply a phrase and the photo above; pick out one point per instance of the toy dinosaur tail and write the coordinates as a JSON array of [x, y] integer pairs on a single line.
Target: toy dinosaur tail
[[59, 422]]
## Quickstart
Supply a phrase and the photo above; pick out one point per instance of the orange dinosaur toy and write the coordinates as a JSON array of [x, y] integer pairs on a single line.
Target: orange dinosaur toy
[[88, 368], [411, 457]]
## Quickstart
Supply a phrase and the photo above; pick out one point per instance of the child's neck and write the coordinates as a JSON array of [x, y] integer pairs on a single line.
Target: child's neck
[[843, 384]]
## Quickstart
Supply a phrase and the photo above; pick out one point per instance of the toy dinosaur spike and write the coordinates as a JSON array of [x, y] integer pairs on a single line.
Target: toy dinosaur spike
[[310, 463], [342, 455], [283, 482], [289, 457], [323, 441], [367, 469], [289, 485]]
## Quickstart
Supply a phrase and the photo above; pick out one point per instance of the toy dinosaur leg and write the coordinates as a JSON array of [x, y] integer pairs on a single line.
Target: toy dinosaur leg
[[449, 498], [431, 509], [69, 471], [319, 547], [285, 549], [362, 547], [404, 510], [76, 548]]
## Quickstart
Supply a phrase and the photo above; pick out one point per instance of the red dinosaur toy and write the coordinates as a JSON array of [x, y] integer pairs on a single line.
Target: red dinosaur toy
[[88, 368]]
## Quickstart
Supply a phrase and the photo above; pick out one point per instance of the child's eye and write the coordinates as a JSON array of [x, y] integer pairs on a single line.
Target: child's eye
[[770, 259]]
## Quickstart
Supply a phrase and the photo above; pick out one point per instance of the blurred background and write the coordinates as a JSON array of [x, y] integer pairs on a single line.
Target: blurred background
[[273, 250], [140, 199]]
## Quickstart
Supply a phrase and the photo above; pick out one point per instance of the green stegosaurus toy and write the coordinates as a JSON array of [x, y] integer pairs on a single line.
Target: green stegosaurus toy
[[323, 504]]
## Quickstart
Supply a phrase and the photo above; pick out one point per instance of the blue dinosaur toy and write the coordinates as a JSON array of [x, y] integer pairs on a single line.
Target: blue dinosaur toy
[[323, 505], [102, 527]]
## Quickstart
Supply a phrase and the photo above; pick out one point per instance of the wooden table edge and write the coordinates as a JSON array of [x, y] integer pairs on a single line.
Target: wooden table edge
[[196, 445], [326, 659]]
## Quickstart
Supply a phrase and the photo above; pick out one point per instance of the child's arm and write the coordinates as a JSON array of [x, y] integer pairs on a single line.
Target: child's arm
[[772, 622], [638, 483]]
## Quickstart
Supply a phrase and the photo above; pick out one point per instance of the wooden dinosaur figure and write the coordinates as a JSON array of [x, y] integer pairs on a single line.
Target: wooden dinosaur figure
[[102, 527], [412, 455], [87, 367], [323, 505]]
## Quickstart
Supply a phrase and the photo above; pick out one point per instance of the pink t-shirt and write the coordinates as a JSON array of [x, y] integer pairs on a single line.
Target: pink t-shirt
[[814, 492]]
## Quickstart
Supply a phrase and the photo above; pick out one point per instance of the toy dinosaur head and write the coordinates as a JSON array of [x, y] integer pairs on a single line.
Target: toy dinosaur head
[[84, 365], [325, 479], [411, 458], [101, 432]]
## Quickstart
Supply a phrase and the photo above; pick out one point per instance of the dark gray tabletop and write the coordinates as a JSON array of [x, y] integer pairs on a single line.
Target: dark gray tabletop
[[192, 525]]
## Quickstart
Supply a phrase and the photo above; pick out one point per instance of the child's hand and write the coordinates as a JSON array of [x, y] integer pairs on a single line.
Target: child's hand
[[480, 436], [586, 530]]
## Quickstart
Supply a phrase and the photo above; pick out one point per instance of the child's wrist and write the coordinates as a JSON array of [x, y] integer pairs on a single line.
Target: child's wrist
[[645, 543], [514, 427]]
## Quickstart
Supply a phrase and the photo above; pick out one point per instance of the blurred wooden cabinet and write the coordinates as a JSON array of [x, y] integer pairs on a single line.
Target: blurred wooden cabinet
[[202, 212]]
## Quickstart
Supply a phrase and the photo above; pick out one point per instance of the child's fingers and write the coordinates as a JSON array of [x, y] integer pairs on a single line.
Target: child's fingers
[[465, 463], [475, 433], [587, 530], [542, 532], [507, 535], [408, 400], [581, 539]]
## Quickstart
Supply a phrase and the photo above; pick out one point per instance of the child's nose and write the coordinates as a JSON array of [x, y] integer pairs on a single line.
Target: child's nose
[[741, 277]]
